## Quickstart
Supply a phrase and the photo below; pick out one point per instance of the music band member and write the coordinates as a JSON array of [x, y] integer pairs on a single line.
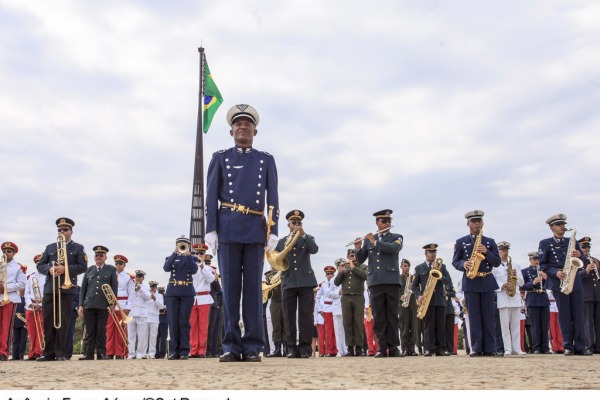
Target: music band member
[[155, 304], [137, 330], [409, 333], [509, 307], [200, 315], [434, 322], [553, 253], [241, 183], [16, 280], [33, 312], [179, 298], [115, 345], [93, 304], [351, 278], [538, 304], [590, 278], [163, 328], [297, 284], [324, 306], [479, 292], [57, 303], [383, 281]]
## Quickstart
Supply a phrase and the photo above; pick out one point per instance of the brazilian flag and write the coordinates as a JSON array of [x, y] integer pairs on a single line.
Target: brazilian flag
[[212, 98]]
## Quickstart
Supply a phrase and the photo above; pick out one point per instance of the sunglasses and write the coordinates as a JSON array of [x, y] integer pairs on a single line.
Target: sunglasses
[[63, 229], [7, 251], [200, 253], [119, 262], [385, 221], [296, 222], [329, 273], [99, 255]]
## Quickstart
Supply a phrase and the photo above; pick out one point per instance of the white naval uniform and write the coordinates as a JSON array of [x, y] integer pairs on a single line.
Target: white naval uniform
[[29, 296], [338, 320], [126, 287], [154, 307], [138, 327], [509, 309], [16, 280]]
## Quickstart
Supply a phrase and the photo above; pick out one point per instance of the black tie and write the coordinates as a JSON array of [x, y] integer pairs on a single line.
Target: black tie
[[429, 265]]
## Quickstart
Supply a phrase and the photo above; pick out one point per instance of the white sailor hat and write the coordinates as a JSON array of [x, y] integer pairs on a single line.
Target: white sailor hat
[[242, 110], [475, 214], [557, 219], [533, 254]]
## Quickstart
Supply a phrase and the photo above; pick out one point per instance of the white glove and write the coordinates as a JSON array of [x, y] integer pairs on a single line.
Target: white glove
[[212, 240], [272, 243]]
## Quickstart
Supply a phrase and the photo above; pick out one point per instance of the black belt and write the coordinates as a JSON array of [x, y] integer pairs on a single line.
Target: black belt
[[241, 208]]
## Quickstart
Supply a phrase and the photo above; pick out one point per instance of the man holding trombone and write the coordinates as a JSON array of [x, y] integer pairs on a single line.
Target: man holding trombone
[[61, 262], [33, 312]]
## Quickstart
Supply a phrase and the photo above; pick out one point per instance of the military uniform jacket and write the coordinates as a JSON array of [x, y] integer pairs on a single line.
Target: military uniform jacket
[[241, 176], [202, 280], [29, 295], [462, 252], [181, 268], [552, 253], [216, 293], [77, 265], [15, 280], [503, 300], [91, 294], [412, 302], [438, 299], [383, 268], [352, 281], [154, 307], [591, 286], [300, 272], [140, 301], [126, 284], [536, 295], [450, 294]]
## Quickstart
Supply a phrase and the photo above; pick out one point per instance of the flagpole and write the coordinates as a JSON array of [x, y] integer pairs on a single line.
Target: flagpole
[[197, 228]]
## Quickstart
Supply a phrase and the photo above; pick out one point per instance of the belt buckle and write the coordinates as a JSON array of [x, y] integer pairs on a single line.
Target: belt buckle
[[242, 209]]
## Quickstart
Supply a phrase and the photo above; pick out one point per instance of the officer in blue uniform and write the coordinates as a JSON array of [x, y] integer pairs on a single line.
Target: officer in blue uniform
[[383, 281], [480, 291], [553, 252], [48, 265], [241, 184], [591, 296], [180, 298], [163, 328], [538, 304], [297, 284]]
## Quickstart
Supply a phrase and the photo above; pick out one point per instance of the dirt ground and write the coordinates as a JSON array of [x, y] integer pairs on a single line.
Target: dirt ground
[[357, 373]]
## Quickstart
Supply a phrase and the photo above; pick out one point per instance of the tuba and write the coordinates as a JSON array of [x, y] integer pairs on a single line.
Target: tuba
[[277, 259], [476, 257], [407, 292], [511, 280], [572, 264], [434, 276], [4, 278]]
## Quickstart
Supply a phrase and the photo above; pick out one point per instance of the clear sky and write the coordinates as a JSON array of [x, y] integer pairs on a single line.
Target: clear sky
[[430, 108]]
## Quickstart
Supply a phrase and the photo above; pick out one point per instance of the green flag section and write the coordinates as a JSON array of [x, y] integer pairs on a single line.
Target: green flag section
[[212, 98]]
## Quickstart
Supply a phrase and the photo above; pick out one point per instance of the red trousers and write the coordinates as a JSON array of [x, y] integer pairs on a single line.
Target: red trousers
[[556, 335], [371, 337], [330, 345], [199, 329], [523, 335], [321, 332], [35, 329], [115, 345], [455, 341], [7, 316]]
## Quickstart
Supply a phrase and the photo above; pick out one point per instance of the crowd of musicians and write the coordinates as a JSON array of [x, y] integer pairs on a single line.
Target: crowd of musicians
[[370, 303]]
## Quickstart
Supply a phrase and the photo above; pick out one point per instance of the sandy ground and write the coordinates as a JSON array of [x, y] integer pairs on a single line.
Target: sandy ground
[[455, 372]]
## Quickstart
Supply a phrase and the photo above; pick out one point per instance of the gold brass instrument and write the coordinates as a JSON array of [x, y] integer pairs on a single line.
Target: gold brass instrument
[[37, 318], [572, 264], [407, 292], [511, 280], [270, 223], [277, 259], [4, 278], [21, 317], [61, 254], [183, 247], [593, 262], [364, 237], [274, 281], [434, 276], [476, 257], [56, 302], [113, 301]]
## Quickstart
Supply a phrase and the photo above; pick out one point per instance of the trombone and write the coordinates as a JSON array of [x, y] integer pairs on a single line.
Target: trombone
[[113, 301], [4, 278], [37, 297], [364, 237], [61, 258]]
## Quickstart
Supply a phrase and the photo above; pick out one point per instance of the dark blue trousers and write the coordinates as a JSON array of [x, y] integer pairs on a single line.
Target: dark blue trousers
[[19, 342], [540, 323], [241, 271], [161, 340], [482, 323], [212, 348], [179, 311], [570, 319]]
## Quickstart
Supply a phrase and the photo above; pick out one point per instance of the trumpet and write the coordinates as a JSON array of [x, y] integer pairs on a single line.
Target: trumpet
[[364, 237], [113, 301], [183, 247], [37, 297], [593, 262]]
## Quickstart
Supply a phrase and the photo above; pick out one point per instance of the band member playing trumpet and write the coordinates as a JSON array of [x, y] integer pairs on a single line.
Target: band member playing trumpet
[[61, 261], [12, 280], [538, 304], [241, 184], [180, 297], [383, 280], [202, 300], [434, 327], [470, 252], [33, 312], [93, 304], [591, 296], [553, 255], [116, 346]]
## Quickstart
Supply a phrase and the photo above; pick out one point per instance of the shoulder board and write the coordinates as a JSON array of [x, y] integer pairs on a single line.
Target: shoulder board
[[23, 268], [264, 152], [130, 274], [221, 151]]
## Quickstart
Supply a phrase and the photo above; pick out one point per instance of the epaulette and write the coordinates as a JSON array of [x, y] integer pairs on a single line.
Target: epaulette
[[23, 268], [130, 274], [264, 152], [221, 151]]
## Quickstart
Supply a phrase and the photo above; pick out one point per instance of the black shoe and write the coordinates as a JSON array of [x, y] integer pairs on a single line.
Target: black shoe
[[394, 352], [585, 352], [119, 357], [427, 353], [405, 353], [304, 354], [442, 353], [103, 357], [380, 354], [251, 356], [361, 353], [537, 352], [420, 350], [546, 352], [476, 354], [229, 357], [295, 353], [46, 358], [32, 358], [351, 351], [559, 352], [86, 358], [61, 358], [174, 357], [275, 354], [3, 358], [569, 352], [183, 357]]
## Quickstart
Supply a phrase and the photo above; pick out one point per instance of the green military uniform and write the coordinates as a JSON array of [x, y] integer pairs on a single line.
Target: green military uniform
[[352, 283], [409, 323], [276, 310]]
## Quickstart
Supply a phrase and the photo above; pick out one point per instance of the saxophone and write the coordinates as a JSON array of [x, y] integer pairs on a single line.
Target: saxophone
[[572, 264], [407, 292], [476, 257], [511, 280], [434, 276]]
